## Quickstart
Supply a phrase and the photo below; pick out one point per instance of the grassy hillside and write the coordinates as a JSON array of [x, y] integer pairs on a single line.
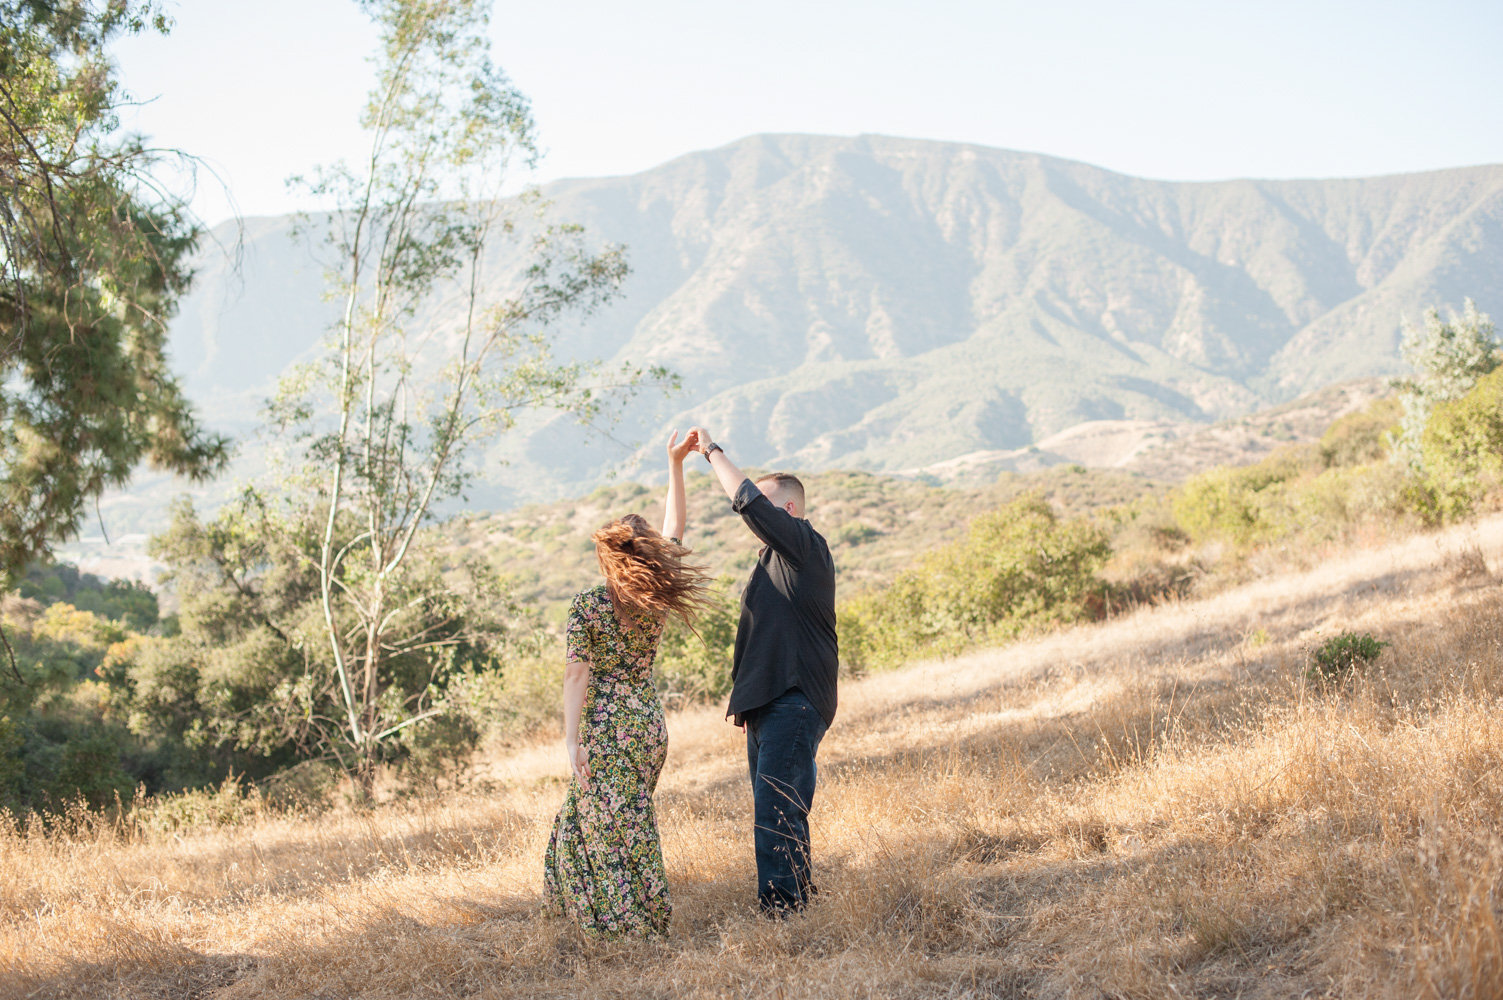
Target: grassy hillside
[[1163, 804], [876, 525]]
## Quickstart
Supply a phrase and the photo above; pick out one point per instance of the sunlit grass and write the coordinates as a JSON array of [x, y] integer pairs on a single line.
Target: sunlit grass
[[1161, 804]]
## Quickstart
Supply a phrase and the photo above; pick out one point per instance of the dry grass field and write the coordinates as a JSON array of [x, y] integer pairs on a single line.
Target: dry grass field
[[1160, 805]]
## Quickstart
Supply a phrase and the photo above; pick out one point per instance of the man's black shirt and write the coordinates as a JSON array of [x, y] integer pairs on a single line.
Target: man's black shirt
[[786, 638]]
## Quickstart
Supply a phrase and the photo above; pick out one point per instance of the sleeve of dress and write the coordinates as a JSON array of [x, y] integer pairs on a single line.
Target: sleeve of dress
[[577, 632]]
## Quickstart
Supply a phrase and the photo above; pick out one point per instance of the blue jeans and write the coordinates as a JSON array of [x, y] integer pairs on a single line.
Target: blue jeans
[[782, 738]]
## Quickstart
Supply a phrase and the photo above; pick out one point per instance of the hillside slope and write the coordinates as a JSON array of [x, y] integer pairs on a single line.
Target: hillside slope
[[1157, 805], [875, 523], [888, 304]]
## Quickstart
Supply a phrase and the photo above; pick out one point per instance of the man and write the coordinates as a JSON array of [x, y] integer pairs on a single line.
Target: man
[[783, 671]]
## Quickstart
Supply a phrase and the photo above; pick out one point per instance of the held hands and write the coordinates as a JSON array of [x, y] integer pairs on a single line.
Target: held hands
[[579, 762], [702, 439], [677, 450]]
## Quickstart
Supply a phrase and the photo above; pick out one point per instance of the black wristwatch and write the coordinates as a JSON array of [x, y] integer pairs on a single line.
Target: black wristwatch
[[713, 447]]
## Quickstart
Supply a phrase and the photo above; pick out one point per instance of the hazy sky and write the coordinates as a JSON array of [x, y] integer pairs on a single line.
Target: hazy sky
[[1178, 90]]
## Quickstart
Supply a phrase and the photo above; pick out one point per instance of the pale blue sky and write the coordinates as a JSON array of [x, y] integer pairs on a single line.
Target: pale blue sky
[[1162, 88]]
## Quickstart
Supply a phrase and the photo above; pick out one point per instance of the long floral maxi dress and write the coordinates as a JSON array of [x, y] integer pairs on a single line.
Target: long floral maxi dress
[[604, 864]]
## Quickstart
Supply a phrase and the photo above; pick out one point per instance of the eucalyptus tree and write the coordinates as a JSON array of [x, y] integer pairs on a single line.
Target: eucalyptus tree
[[429, 356], [94, 251]]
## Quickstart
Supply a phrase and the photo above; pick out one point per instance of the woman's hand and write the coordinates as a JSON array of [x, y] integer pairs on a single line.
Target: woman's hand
[[579, 762], [678, 450]]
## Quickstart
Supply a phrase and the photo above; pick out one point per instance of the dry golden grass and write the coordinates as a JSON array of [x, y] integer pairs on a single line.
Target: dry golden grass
[[1156, 806]]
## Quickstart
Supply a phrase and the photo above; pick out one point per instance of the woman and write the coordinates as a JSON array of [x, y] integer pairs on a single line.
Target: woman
[[604, 865]]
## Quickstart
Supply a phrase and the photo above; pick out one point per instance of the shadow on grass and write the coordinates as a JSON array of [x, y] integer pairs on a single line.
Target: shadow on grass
[[166, 973], [297, 870]]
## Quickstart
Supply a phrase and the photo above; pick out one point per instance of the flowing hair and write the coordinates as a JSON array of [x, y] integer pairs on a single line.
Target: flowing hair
[[646, 573]]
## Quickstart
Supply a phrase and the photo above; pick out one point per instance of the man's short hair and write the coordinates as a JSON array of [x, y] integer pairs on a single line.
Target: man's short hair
[[787, 485]]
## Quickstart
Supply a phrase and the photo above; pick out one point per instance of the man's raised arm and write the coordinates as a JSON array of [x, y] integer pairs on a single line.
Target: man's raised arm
[[726, 471], [775, 526]]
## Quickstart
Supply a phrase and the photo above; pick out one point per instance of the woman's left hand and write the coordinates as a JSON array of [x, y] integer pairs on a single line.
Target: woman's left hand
[[677, 450], [579, 763]]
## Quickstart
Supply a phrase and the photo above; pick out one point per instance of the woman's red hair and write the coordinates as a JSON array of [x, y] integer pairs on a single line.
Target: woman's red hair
[[646, 573]]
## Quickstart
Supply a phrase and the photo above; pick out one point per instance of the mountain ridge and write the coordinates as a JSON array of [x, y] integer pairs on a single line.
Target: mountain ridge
[[886, 303]]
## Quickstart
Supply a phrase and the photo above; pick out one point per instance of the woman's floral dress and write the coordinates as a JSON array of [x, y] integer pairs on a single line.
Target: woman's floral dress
[[604, 865]]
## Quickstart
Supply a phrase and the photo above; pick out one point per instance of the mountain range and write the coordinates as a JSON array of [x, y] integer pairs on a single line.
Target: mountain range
[[898, 305]]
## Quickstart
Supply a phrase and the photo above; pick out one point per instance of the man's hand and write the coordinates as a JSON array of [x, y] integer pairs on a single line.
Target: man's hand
[[678, 450], [725, 470]]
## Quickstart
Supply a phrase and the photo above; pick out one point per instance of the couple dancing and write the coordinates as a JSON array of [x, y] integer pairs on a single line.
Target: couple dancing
[[604, 864]]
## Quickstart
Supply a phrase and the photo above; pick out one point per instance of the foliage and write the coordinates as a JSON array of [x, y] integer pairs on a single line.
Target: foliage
[[1362, 436], [1462, 448], [1018, 566], [695, 664], [1447, 357], [1244, 505], [250, 669], [60, 737], [129, 602], [1339, 655], [93, 257], [229, 803], [1315, 492]]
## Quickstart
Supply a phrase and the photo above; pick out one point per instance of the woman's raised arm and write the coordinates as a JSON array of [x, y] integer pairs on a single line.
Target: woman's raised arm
[[675, 508]]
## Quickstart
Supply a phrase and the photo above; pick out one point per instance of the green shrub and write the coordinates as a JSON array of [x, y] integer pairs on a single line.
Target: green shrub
[[854, 533], [888, 627], [12, 766], [307, 787], [695, 664], [1462, 448], [1327, 505], [1364, 436], [439, 749], [528, 696], [1306, 492], [1018, 566], [1339, 655], [88, 768], [229, 804], [1244, 505]]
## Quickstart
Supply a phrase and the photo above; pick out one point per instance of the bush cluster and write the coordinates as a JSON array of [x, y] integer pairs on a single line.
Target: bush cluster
[[1018, 567], [1314, 492]]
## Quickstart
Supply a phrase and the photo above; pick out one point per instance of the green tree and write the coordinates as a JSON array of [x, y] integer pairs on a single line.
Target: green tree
[[251, 670], [93, 257], [129, 602], [1447, 357], [427, 359]]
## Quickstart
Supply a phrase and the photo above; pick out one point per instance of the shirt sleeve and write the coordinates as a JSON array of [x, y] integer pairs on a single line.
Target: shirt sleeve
[[786, 534], [577, 632]]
